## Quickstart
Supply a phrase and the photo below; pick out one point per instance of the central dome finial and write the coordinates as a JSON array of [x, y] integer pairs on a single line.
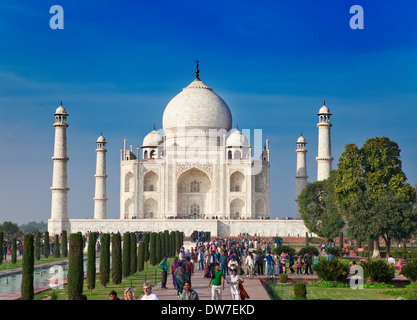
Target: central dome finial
[[197, 71]]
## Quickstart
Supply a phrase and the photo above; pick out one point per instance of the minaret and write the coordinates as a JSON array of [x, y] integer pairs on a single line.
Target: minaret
[[324, 158], [100, 198], [59, 206], [301, 176]]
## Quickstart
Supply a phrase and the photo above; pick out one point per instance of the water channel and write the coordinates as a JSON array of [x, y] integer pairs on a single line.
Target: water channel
[[45, 277]]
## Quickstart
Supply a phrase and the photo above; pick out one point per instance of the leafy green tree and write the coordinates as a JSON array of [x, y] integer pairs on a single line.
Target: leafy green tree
[[152, 249], [10, 230], [46, 245], [75, 267], [57, 251], [116, 270], [14, 250], [133, 254], [91, 261], [126, 255], [319, 209], [28, 261], [34, 226], [64, 243], [369, 175], [141, 256], [105, 259]]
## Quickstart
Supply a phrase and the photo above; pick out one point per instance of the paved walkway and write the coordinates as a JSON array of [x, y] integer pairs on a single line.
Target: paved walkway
[[253, 287]]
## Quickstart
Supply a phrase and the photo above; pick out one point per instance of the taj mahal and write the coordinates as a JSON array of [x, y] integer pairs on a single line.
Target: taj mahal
[[197, 173]]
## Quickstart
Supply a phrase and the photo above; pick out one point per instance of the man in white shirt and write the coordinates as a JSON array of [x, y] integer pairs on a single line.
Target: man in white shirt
[[249, 263], [147, 288]]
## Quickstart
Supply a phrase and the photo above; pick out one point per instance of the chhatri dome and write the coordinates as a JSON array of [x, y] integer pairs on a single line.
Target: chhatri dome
[[197, 106], [324, 110], [237, 139], [152, 139]]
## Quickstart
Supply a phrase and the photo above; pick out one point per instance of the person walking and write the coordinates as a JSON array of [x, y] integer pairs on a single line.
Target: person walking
[[260, 261], [188, 269], [249, 264], [200, 259], [291, 263], [210, 261], [232, 264], [163, 265], [299, 265], [217, 283], [224, 261], [316, 260], [174, 267], [269, 264], [188, 293], [180, 278], [308, 262], [232, 280]]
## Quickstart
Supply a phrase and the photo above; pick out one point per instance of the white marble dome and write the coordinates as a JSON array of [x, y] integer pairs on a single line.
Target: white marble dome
[[237, 139], [324, 110], [197, 106], [101, 139], [301, 139], [152, 139], [61, 110]]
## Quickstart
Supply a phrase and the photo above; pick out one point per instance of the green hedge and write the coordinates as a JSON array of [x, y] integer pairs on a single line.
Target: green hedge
[[332, 270], [410, 270], [376, 270]]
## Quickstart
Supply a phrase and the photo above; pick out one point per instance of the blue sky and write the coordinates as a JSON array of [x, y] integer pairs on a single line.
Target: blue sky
[[116, 65]]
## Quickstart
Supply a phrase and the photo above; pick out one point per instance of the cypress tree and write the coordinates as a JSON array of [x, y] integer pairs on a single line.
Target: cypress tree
[[162, 235], [177, 242], [105, 259], [28, 261], [116, 270], [57, 252], [14, 249], [37, 248], [172, 244], [152, 249], [126, 255], [158, 248], [46, 246], [91, 262], [141, 256], [2, 244], [64, 244], [133, 254], [146, 240], [166, 236], [76, 266]]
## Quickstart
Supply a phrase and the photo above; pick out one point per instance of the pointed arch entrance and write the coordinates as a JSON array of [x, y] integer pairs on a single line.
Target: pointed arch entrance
[[194, 194]]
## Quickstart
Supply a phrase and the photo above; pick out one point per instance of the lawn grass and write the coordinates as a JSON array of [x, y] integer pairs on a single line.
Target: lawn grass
[[316, 293], [152, 274]]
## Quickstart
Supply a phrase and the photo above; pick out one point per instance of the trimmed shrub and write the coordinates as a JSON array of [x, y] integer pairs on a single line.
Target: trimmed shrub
[[172, 244], [300, 291], [158, 242], [64, 243], [162, 235], [105, 259], [133, 254], [283, 278], [167, 249], [141, 256], [126, 255], [116, 270], [14, 250], [57, 251], [410, 270], [146, 240], [28, 261], [376, 270], [37, 249], [332, 270], [1, 241], [75, 267], [280, 249], [152, 249], [91, 261], [46, 245], [312, 250]]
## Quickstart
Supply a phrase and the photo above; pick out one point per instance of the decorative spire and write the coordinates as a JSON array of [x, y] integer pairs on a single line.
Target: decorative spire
[[154, 127], [61, 102], [197, 71], [237, 126], [324, 103]]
